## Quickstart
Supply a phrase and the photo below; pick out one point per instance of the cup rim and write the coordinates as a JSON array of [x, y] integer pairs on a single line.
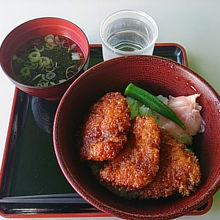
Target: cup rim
[[142, 13]]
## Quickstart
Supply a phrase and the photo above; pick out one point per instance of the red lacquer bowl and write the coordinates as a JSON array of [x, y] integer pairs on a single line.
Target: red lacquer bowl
[[42, 27], [159, 76]]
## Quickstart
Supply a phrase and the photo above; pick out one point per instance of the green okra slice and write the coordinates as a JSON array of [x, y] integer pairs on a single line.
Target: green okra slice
[[152, 102]]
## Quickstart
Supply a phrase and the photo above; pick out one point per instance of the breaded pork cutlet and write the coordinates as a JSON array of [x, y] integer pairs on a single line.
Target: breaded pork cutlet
[[179, 170], [105, 131], [136, 165]]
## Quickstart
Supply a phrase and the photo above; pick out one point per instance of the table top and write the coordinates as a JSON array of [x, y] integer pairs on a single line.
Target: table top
[[192, 23]]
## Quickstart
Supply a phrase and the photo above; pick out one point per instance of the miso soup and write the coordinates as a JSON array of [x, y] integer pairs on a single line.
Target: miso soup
[[47, 60]]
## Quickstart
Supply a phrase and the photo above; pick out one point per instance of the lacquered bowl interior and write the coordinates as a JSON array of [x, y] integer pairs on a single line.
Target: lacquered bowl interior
[[159, 76], [37, 28]]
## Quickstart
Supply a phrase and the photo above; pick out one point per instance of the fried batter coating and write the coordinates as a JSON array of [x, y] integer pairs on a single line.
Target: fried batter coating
[[179, 170], [105, 131], [136, 165]]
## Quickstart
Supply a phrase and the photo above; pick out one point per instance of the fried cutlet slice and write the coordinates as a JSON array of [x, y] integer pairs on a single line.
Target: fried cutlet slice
[[136, 165], [179, 170], [105, 131]]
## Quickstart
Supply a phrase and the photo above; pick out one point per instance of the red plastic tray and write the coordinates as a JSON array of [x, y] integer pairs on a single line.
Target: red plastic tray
[[29, 138]]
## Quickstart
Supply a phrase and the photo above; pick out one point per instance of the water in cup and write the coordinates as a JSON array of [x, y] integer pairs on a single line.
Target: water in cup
[[128, 33], [128, 41]]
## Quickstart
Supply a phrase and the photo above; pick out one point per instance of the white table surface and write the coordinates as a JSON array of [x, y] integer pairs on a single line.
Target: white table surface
[[195, 24]]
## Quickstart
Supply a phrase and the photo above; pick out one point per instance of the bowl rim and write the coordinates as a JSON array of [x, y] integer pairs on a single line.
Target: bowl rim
[[80, 190], [33, 20], [119, 59]]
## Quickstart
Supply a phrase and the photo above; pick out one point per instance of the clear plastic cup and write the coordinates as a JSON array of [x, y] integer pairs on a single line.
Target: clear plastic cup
[[128, 32]]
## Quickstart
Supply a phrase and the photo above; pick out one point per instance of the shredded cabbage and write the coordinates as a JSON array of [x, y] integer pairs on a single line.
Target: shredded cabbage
[[137, 108]]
